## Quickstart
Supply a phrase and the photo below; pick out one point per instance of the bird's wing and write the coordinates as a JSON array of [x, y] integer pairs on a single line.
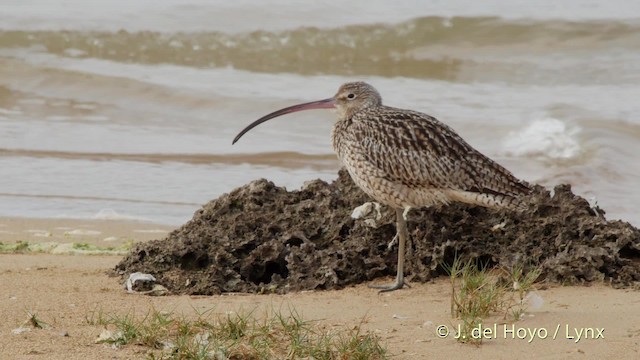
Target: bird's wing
[[420, 151]]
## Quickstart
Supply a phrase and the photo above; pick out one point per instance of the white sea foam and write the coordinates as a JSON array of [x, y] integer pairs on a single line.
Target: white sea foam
[[547, 138]]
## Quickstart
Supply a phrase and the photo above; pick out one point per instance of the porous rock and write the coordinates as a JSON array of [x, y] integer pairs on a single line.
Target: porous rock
[[263, 238]]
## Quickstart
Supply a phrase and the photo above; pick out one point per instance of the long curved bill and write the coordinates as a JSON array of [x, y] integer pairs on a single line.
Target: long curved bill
[[321, 104]]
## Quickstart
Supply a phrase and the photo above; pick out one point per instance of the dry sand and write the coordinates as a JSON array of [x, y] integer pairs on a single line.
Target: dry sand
[[100, 233], [64, 290]]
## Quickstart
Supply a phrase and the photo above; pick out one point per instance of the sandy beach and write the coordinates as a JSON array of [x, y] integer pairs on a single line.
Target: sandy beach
[[65, 290]]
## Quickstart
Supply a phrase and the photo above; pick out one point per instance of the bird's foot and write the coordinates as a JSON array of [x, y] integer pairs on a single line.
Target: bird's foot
[[398, 284]]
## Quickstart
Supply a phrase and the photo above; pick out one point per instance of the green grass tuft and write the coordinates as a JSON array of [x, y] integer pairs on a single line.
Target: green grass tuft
[[242, 335], [17, 247]]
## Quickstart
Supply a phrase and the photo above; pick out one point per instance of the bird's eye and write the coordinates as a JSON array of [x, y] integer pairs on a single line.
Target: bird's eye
[[351, 96]]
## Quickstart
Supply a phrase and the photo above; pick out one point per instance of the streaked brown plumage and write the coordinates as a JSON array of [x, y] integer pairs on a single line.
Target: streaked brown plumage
[[407, 159]]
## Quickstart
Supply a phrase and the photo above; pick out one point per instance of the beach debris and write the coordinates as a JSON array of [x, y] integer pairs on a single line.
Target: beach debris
[[20, 330], [370, 211], [145, 284], [156, 290], [146, 281], [111, 337]]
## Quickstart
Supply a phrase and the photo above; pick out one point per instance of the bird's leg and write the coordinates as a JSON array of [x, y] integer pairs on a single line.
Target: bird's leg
[[401, 229], [409, 253], [404, 216]]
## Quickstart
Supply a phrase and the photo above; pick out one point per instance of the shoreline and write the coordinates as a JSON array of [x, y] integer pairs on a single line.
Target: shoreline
[[93, 232]]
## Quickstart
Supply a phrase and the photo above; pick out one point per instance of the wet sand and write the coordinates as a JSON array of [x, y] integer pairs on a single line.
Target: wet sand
[[64, 290]]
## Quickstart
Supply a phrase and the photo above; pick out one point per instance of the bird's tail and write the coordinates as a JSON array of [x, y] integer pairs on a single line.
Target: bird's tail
[[492, 200]]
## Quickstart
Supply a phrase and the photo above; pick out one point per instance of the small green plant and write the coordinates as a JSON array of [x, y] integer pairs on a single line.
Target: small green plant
[[96, 317], [101, 249], [235, 326], [82, 246], [18, 247], [22, 246], [521, 280], [35, 322], [477, 293], [474, 296], [356, 345]]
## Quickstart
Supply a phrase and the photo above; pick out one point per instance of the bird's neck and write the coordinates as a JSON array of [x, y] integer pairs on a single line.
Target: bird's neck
[[346, 113], [342, 114], [338, 134]]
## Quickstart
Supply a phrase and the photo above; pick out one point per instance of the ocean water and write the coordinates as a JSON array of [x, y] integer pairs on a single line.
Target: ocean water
[[125, 109]]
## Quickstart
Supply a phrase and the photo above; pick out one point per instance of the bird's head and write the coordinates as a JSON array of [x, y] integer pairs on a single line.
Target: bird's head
[[354, 97], [350, 99]]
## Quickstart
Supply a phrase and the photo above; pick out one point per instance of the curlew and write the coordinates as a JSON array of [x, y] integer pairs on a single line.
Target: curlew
[[407, 159]]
